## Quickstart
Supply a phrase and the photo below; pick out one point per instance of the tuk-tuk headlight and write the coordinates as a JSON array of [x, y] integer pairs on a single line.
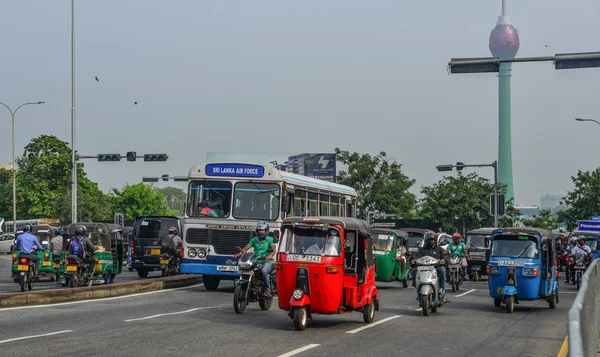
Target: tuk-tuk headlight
[[530, 272], [298, 294], [202, 253], [192, 253], [494, 270]]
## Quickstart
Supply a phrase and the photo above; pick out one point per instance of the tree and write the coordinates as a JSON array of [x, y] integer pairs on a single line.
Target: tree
[[379, 182], [140, 200], [544, 220], [584, 201], [6, 194], [175, 198], [462, 202]]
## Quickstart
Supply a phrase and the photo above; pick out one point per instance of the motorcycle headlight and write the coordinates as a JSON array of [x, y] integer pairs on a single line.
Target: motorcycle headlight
[[298, 294], [202, 253], [245, 265], [579, 262], [192, 253]]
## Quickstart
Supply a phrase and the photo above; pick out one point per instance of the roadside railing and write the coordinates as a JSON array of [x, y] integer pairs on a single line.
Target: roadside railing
[[584, 315]]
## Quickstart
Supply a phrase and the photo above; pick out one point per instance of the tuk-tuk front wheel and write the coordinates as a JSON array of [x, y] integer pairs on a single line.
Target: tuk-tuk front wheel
[[552, 301], [369, 312], [510, 304], [300, 318]]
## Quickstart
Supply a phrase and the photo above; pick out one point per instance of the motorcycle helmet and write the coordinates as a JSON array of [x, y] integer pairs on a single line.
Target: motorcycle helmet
[[430, 240], [581, 239], [262, 226], [27, 228], [573, 241], [456, 237], [80, 230], [173, 230]]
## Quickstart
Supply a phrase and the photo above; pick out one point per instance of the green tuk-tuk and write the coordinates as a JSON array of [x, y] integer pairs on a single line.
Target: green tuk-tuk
[[44, 234], [390, 247], [108, 256]]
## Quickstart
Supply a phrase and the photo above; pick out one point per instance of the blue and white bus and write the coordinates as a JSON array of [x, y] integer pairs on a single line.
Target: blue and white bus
[[226, 200]]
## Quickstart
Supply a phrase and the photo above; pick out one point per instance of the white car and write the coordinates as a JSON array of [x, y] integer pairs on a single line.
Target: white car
[[6, 243]]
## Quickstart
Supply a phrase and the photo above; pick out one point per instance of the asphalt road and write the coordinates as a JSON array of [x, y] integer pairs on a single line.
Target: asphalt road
[[7, 285], [191, 321]]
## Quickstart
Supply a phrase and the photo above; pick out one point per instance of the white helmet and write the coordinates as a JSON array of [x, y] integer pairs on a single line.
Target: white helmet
[[573, 240]]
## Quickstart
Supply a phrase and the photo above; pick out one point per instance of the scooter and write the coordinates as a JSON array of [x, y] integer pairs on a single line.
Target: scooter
[[428, 290]]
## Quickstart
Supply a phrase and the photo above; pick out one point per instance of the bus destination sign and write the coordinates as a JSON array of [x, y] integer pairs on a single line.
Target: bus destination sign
[[235, 170]]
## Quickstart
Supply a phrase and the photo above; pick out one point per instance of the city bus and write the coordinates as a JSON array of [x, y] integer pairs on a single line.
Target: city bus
[[33, 222], [226, 200]]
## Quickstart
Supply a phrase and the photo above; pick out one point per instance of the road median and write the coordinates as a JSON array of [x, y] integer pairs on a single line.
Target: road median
[[96, 292]]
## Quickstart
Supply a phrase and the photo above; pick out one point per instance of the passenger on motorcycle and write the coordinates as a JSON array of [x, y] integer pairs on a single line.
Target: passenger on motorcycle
[[27, 243], [433, 250], [460, 248], [262, 243], [82, 247], [582, 248], [172, 242], [55, 245]]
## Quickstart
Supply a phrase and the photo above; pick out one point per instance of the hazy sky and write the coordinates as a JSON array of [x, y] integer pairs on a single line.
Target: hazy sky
[[300, 76]]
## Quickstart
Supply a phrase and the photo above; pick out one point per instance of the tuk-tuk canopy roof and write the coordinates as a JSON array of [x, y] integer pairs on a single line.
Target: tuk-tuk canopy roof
[[93, 227], [347, 223], [482, 230], [526, 230], [397, 232], [418, 230], [44, 230]]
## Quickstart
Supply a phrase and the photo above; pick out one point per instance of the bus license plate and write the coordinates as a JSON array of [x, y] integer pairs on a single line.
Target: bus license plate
[[227, 268], [22, 267], [164, 261], [71, 268], [154, 251]]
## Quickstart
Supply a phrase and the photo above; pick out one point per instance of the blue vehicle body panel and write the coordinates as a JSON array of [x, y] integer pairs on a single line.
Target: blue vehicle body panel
[[509, 290], [528, 287], [208, 266]]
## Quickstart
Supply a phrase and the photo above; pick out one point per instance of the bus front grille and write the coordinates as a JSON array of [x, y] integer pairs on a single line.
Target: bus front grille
[[223, 241]]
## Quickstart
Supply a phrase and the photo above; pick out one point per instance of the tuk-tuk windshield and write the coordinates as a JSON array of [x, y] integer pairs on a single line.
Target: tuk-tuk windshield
[[309, 240], [383, 242], [414, 241], [478, 240], [515, 246]]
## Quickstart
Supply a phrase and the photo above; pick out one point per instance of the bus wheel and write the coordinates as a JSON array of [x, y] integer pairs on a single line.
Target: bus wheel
[[211, 282]]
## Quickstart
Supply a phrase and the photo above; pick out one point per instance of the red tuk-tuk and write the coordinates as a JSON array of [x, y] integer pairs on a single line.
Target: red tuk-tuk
[[325, 266]]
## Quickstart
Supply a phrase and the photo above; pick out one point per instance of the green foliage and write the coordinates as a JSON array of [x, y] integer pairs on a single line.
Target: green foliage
[[5, 194], [379, 182], [584, 201], [544, 220], [175, 198], [139, 200]]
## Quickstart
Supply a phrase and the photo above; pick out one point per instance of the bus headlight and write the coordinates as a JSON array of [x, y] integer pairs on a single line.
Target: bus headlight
[[192, 253], [202, 253]]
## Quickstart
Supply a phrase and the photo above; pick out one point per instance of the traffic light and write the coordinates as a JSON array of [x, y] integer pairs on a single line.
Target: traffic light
[[109, 157], [120, 219], [155, 157], [131, 156], [442, 168], [460, 166]]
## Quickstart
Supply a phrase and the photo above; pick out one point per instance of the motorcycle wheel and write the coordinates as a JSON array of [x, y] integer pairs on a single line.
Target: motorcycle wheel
[[239, 299], [476, 276], [72, 281], [163, 272], [510, 304], [425, 303], [405, 283], [300, 318], [22, 283], [369, 313], [29, 282], [454, 285], [265, 303]]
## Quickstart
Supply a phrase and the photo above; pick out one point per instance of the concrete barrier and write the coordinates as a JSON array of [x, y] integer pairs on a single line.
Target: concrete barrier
[[96, 292], [584, 315]]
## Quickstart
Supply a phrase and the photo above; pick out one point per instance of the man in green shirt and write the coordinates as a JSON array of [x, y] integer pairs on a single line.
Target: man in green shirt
[[459, 248], [262, 243]]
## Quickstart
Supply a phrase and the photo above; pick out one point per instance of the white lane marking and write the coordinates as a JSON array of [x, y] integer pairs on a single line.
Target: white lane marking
[[419, 309], [568, 292], [35, 336], [174, 313], [97, 300], [463, 294], [373, 324], [298, 350], [7, 257]]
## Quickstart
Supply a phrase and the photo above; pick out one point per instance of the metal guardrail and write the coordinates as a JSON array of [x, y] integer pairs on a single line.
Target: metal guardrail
[[584, 315]]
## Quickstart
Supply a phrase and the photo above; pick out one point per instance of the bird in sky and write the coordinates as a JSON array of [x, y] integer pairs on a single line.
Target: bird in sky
[[97, 80], [135, 103], [546, 45]]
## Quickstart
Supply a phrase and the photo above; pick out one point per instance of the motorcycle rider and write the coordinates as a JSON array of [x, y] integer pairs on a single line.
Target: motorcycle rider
[[261, 244], [173, 241], [582, 248], [27, 243], [433, 250], [572, 244], [86, 247], [460, 248]]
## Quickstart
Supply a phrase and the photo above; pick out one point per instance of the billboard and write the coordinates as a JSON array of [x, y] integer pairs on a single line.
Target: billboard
[[593, 226], [321, 166]]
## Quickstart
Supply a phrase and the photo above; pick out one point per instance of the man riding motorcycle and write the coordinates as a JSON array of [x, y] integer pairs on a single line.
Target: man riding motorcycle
[[27, 243], [173, 241], [460, 248], [261, 244], [572, 244], [582, 248], [83, 247], [433, 250]]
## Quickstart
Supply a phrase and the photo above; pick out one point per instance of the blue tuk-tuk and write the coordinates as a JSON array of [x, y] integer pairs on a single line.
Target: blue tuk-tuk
[[592, 239], [522, 267]]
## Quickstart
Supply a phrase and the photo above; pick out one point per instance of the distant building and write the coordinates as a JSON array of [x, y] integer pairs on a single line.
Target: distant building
[[528, 212]]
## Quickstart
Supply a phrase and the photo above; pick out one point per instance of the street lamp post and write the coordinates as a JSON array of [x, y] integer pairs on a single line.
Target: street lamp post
[[14, 169], [581, 119]]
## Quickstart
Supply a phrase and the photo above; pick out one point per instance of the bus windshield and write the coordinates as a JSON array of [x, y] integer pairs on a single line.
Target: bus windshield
[[209, 198], [254, 200], [515, 246], [312, 241], [383, 242]]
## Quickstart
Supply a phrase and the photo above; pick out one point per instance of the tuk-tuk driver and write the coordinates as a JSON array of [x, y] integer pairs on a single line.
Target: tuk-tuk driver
[[262, 243], [460, 248], [433, 250], [582, 248]]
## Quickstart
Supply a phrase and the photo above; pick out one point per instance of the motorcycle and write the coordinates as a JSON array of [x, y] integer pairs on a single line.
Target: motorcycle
[[456, 272], [250, 287], [580, 264], [78, 272], [170, 264], [25, 267], [428, 290]]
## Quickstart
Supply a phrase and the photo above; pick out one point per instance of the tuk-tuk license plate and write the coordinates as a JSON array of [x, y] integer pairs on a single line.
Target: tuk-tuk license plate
[[227, 268], [164, 261], [511, 263], [154, 251], [46, 264], [22, 267], [71, 268], [304, 258], [98, 267]]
